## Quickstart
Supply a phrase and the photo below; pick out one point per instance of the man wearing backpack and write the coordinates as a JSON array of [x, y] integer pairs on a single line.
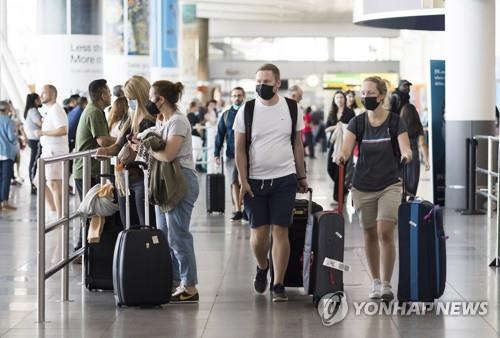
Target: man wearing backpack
[[270, 161], [400, 96], [225, 132]]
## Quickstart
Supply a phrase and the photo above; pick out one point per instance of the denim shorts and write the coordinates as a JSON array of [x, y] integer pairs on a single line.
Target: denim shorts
[[273, 201]]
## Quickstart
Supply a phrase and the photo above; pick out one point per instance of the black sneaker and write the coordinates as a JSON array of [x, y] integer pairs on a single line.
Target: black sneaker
[[181, 296], [237, 216], [260, 281], [279, 293], [245, 217]]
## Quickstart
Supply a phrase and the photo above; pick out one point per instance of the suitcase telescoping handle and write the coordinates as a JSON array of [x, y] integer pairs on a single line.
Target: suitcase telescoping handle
[[341, 189], [309, 201], [144, 167], [222, 164], [404, 195]]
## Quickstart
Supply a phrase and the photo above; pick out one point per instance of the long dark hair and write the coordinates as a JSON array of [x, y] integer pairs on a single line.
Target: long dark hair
[[410, 116], [355, 104], [332, 116], [30, 103]]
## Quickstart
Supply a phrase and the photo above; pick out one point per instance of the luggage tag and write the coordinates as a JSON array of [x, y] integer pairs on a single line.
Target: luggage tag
[[334, 264], [349, 205]]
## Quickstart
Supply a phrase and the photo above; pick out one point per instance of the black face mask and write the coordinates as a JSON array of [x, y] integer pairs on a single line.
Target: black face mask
[[266, 92], [370, 102], [152, 108]]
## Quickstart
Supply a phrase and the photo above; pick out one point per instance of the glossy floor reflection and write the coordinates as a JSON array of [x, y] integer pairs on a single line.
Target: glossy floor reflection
[[229, 307]]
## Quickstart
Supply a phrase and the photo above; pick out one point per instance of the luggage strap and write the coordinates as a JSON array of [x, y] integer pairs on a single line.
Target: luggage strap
[[414, 251]]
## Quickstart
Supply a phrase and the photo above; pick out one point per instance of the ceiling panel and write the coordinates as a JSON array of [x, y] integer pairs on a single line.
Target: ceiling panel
[[309, 11]]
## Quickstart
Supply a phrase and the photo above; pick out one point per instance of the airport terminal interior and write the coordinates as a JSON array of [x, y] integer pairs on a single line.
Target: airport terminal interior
[[435, 59]]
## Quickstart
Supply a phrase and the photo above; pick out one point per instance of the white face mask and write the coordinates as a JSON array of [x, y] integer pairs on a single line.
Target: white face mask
[[132, 104]]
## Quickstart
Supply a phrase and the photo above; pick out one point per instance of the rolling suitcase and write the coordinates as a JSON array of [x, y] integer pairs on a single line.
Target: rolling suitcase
[[296, 236], [215, 192], [99, 256], [422, 250], [142, 265], [323, 262]]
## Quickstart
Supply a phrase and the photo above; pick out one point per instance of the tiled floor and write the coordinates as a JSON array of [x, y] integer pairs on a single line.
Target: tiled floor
[[229, 307]]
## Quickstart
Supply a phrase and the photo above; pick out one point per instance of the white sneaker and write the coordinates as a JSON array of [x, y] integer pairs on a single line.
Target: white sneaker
[[387, 294], [376, 292]]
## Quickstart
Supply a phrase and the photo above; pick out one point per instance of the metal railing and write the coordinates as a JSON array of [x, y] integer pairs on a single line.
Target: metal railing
[[43, 229], [472, 170], [491, 191]]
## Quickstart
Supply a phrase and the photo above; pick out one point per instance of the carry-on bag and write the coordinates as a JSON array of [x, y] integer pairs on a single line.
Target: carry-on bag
[[422, 250], [323, 263], [142, 265]]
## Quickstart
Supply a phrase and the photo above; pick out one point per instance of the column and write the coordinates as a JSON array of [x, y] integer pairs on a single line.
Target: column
[[470, 87], [70, 44], [3, 34], [115, 57], [189, 51], [137, 38], [164, 28]]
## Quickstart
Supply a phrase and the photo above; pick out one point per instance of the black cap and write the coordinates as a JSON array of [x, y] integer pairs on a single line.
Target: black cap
[[403, 82]]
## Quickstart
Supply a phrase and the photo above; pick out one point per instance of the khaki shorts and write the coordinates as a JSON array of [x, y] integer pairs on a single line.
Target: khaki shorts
[[53, 171], [373, 206]]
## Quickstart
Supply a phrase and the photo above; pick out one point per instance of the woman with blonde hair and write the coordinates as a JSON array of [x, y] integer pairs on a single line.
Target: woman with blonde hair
[[141, 117], [376, 187]]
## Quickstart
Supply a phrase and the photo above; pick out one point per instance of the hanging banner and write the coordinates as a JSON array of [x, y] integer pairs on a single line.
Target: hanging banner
[[437, 130]]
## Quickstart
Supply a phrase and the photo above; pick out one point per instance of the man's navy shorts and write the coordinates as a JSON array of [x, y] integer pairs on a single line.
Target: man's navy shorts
[[273, 201]]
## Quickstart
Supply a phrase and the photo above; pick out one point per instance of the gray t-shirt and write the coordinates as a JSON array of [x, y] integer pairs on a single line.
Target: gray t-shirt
[[178, 125], [30, 125], [377, 167]]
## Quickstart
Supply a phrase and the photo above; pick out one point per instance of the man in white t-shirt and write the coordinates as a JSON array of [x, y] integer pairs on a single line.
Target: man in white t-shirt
[[271, 171], [54, 142]]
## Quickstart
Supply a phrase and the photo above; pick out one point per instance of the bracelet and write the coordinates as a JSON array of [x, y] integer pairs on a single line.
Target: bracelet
[[301, 178]]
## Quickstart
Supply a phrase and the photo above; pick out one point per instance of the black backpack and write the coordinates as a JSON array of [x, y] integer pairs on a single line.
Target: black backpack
[[248, 118]]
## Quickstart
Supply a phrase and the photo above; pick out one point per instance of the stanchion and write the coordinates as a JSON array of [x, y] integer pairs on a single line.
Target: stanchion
[[471, 210], [495, 263], [467, 174]]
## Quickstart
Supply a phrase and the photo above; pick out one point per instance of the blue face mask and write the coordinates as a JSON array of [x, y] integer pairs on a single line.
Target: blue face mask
[[236, 106], [132, 104]]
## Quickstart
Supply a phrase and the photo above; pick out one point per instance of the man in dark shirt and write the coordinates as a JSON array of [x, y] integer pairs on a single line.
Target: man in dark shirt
[[400, 96], [73, 119], [225, 132]]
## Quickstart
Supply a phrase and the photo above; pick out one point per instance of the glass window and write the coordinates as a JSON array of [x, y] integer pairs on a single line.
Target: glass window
[[363, 49], [282, 49]]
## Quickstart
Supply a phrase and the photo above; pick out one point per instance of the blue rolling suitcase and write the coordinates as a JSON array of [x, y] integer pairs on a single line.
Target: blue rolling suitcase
[[422, 251]]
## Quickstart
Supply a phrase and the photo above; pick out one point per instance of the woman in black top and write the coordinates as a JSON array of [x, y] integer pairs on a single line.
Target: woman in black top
[[338, 113], [376, 188], [410, 116]]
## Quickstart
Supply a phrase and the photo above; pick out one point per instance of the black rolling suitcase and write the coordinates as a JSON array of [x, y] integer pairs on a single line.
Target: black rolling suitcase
[[296, 235], [422, 250], [215, 192], [142, 265], [99, 256], [323, 263]]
